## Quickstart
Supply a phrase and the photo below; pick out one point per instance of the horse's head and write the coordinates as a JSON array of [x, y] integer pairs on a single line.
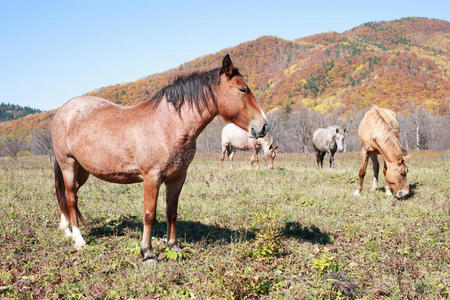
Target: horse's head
[[397, 177], [340, 139], [236, 103]]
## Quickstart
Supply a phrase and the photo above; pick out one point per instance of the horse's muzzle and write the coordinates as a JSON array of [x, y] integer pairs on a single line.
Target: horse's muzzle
[[259, 133], [402, 194]]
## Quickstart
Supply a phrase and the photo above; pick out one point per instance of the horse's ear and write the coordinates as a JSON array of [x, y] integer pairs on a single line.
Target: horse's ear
[[227, 66], [275, 148], [337, 130], [400, 159], [345, 130]]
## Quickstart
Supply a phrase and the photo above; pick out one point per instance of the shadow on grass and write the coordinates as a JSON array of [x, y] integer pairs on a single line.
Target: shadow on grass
[[311, 234], [191, 231], [187, 230]]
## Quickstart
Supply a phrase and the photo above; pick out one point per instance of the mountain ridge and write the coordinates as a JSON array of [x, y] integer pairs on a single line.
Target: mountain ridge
[[399, 64]]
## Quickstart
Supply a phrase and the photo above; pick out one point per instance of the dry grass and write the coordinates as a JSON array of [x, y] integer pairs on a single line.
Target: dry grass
[[297, 233]]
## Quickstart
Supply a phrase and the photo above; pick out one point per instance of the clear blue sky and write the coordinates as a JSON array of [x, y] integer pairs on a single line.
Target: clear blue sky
[[51, 51]]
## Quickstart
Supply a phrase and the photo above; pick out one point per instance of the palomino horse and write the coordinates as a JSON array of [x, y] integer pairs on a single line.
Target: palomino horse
[[233, 137], [153, 142], [379, 133], [328, 140]]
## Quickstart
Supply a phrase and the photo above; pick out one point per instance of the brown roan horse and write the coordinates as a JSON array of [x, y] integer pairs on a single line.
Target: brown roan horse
[[152, 142], [379, 133]]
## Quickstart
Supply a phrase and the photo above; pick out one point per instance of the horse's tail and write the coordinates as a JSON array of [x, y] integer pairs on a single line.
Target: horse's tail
[[61, 195]]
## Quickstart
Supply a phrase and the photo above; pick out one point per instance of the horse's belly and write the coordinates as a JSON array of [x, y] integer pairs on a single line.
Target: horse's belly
[[112, 169], [118, 177]]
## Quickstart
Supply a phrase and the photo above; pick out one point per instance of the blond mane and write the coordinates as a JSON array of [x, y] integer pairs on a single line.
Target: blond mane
[[385, 130]]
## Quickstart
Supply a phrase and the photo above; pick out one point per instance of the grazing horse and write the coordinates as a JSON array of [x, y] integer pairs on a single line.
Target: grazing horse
[[233, 138], [152, 142], [328, 140], [379, 133]]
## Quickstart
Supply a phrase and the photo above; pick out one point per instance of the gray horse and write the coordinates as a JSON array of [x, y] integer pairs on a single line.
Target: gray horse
[[328, 140]]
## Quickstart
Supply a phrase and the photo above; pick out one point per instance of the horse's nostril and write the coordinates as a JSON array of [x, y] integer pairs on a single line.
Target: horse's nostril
[[264, 129]]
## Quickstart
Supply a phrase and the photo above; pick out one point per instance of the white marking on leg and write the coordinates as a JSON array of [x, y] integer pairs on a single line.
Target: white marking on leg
[[77, 238], [388, 192], [356, 193], [374, 184], [64, 225]]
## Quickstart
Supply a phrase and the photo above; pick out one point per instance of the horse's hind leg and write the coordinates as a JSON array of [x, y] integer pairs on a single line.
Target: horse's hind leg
[[231, 158], [322, 156], [222, 158], [69, 171], [362, 172], [317, 157], [376, 169], [173, 189]]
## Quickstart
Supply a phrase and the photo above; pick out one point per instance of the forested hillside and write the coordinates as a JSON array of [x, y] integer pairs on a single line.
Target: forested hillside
[[11, 111]]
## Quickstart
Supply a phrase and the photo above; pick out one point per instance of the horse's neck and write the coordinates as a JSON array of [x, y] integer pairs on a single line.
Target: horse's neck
[[391, 150], [192, 121]]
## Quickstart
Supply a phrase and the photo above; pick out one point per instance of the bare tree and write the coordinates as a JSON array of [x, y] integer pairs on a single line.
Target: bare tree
[[41, 142], [13, 145], [300, 125], [275, 127]]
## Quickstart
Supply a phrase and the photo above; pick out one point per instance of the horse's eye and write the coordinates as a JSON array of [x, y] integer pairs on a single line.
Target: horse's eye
[[243, 90]]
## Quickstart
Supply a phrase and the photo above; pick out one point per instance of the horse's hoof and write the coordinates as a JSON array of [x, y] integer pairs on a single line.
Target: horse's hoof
[[79, 244], [67, 232], [151, 261], [356, 193]]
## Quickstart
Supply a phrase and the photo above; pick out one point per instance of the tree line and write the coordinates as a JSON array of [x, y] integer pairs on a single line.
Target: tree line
[[290, 129]]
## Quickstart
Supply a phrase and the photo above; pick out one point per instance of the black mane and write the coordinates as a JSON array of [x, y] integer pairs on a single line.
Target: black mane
[[195, 89]]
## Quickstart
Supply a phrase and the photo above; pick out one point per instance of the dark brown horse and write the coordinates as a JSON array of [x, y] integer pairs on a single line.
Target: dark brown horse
[[152, 142]]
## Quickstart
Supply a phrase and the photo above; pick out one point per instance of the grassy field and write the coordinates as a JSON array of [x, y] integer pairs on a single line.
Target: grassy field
[[296, 233]]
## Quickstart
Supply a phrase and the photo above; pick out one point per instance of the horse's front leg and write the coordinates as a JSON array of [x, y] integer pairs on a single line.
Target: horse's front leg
[[330, 154], [173, 190], [362, 172], [151, 189]]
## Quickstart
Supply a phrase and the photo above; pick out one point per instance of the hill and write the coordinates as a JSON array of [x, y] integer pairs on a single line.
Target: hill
[[397, 64], [10, 112]]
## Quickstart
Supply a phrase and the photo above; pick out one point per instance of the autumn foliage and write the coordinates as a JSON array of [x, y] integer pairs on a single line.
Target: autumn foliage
[[392, 64]]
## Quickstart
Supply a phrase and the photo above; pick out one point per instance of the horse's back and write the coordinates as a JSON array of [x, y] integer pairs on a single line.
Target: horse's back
[[375, 124], [82, 107], [319, 138]]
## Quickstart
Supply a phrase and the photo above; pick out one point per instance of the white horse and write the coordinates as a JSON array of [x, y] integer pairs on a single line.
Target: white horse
[[328, 140], [233, 138]]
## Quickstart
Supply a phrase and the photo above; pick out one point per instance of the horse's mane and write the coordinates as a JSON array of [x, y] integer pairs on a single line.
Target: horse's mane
[[195, 89], [385, 130]]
